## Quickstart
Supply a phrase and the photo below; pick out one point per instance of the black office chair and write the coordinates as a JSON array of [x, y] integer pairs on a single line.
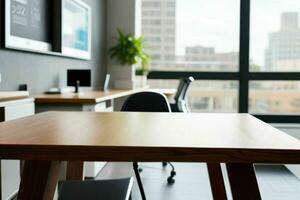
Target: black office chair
[[147, 102], [180, 104], [118, 189]]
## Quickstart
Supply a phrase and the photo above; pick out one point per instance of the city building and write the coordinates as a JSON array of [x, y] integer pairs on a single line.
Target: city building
[[283, 52], [207, 59], [158, 28]]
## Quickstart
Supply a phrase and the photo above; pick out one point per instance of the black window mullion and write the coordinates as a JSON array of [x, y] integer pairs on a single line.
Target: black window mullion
[[244, 56], [279, 118], [196, 75], [274, 76]]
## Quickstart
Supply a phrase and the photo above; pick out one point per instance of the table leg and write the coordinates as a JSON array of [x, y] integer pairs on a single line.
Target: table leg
[[243, 181], [39, 180], [216, 181], [75, 170]]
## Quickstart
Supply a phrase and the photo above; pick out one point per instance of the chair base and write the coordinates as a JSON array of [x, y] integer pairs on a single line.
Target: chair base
[[170, 179]]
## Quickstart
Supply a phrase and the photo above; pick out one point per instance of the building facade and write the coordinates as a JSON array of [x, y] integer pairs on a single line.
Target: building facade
[[159, 30], [207, 59], [283, 52]]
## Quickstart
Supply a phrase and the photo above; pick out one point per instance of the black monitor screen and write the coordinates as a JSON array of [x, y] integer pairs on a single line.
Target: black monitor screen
[[83, 76]]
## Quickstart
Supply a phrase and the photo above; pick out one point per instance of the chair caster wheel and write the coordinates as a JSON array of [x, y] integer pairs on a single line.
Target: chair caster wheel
[[171, 180], [173, 173], [164, 164], [140, 170]]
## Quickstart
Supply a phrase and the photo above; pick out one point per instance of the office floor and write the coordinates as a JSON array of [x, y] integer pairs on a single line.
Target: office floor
[[276, 182]]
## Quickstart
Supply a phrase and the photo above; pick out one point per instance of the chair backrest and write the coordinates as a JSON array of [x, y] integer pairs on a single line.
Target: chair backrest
[[183, 88], [95, 189], [146, 102]]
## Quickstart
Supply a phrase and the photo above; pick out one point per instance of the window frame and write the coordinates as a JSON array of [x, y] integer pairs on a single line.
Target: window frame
[[244, 75]]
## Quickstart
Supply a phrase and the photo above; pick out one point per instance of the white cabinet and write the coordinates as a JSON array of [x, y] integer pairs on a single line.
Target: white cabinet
[[10, 169], [16, 111]]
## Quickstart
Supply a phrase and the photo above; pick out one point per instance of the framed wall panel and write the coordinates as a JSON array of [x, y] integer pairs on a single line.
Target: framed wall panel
[[28, 25], [76, 29]]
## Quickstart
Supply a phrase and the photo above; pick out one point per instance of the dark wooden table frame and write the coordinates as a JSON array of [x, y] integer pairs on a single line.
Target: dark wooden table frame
[[40, 178]]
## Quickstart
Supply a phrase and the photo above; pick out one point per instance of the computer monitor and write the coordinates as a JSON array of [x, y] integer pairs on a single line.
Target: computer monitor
[[79, 78]]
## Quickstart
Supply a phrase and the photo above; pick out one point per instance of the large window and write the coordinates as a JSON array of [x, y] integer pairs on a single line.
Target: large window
[[192, 35], [244, 54]]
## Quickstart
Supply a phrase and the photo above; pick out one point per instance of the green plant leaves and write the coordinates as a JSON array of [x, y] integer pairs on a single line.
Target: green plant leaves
[[129, 50]]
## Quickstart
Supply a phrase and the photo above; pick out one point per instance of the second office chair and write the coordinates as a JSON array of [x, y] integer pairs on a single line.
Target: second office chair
[[180, 104]]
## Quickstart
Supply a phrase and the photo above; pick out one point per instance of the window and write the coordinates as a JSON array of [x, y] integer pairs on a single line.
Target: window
[[244, 56], [207, 96], [275, 35], [205, 37], [273, 97]]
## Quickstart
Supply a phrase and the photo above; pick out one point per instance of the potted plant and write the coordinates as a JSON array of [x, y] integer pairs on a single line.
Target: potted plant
[[129, 53]]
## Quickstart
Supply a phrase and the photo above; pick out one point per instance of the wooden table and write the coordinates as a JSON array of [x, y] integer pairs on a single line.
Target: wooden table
[[239, 140]]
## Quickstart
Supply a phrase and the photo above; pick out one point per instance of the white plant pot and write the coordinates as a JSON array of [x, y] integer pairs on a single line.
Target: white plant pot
[[123, 76], [141, 81]]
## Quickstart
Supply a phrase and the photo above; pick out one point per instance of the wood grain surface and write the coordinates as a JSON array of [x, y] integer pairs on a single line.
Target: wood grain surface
[[9, 96], [88, 136]]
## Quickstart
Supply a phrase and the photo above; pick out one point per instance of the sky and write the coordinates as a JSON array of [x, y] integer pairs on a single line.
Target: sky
[[215, 23]]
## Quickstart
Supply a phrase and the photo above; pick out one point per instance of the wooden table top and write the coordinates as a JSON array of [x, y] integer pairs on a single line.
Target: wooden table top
[[93, 97], [13, 95], [88, 136]]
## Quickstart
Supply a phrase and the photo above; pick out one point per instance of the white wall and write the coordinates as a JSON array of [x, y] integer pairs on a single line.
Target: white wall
[[123, 15], [120, 14]]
